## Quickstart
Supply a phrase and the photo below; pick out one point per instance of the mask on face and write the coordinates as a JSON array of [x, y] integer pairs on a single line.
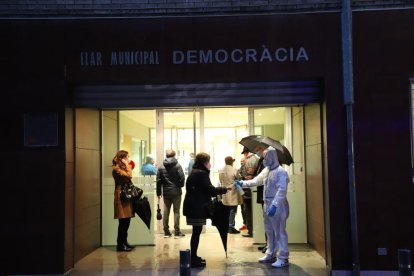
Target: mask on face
[[270, 159]]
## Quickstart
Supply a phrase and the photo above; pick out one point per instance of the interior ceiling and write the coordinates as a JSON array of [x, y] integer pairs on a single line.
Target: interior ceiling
[[213, 117]]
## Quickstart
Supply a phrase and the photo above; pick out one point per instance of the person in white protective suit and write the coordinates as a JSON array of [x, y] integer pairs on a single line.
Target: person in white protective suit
[[275, 179]]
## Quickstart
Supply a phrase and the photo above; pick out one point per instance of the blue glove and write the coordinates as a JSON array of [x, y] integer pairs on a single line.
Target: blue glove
[[237, 183], [271, 211]]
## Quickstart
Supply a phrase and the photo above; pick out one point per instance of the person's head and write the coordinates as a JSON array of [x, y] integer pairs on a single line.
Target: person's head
[[229, 160], [260, 148], [122, 154], [202, 159], [192, 155], [149, 159], [270, 158], [170, 153], [245, 151], [242, 161]]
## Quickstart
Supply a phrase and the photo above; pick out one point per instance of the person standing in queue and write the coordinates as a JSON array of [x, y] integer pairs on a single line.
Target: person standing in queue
[[170, 180], [123, 211], [247, 173], [199, 192], [232, 198]]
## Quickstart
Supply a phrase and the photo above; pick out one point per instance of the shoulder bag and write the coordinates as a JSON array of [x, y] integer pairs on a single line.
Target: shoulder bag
[[130, 192]]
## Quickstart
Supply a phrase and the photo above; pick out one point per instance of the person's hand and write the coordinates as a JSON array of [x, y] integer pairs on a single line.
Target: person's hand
[[271, 211], [237, 183], [124, 161]]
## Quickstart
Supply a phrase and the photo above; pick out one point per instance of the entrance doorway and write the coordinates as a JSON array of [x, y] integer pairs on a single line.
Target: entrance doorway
[[213, 130]]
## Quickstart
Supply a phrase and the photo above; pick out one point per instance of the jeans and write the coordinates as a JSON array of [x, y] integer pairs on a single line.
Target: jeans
[[232, 216], [175, 201]]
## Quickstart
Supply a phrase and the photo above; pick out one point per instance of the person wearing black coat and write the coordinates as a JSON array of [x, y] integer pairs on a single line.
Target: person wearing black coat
[[170, 180], [199, 192]]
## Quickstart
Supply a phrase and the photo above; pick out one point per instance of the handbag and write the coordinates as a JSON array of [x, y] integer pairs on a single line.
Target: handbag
[[130, 192]]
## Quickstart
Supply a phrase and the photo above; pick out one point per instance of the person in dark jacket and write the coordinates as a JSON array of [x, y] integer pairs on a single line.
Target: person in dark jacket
[[199, 192], [170, 180]]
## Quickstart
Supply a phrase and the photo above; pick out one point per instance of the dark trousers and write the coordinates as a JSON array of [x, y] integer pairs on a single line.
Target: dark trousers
[[247, 209], [175, 201], [242, 212], [123, 230], [195, 239]]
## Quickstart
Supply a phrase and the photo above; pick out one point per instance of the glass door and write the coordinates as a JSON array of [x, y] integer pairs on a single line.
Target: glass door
[[181, 133], [179, 130], [285, 125]]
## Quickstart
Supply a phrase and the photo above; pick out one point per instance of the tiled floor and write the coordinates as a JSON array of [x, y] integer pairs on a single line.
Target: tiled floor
[[164, 259]]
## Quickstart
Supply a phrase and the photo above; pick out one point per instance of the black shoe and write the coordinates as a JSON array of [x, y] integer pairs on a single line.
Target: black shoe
[[178, 235], [232, 230], [167, 234], [129, 246], [264, 249], [123, 248], [199, 259], [197, 263], [248, 235]]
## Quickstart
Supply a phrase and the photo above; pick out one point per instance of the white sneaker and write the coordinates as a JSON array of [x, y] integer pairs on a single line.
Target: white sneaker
[[280, 263], [266, 259]]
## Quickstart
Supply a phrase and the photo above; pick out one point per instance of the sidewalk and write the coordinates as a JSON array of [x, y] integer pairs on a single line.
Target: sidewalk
[[164, 259]]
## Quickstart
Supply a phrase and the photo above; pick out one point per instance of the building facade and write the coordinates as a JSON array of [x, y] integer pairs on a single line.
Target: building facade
[[66, 62]]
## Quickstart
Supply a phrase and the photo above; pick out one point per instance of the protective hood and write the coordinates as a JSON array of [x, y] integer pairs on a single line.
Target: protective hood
[[270, 160]]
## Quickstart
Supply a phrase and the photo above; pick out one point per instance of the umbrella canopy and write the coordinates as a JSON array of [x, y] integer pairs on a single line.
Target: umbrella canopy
[[252, 141], [220, 219], [143, 209]]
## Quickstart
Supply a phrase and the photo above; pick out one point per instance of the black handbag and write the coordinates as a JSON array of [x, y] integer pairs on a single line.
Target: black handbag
[[130, 192]]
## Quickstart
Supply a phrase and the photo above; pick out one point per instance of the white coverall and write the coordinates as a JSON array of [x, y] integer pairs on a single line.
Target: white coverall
[[275, 180]]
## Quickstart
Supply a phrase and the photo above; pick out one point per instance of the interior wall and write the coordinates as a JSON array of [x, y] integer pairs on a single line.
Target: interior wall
[[109, 148], [297, 185], [87, 182], [314, 177]]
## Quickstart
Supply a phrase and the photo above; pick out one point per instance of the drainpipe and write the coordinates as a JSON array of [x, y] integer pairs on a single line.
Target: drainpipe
[[346, 27]]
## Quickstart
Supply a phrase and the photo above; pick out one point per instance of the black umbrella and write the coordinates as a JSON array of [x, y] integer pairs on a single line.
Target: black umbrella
[[143, 209], [159, 216], [220, 219], [252, 141]]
